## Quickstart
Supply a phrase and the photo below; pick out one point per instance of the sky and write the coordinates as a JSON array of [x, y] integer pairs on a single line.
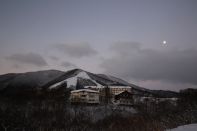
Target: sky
[[123, 38]]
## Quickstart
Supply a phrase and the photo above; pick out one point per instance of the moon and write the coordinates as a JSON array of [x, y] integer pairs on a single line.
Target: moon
[[164, 42]]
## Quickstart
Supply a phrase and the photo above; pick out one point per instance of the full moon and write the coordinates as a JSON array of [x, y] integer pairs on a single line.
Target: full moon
[[164, 42]]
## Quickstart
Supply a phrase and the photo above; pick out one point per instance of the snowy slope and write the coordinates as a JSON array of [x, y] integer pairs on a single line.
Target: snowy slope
[[77, 79], [191, 127], [72, 81]]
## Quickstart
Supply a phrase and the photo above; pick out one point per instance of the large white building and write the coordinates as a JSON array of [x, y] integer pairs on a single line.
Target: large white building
[[85, 96], [113, 90], [97, 94]]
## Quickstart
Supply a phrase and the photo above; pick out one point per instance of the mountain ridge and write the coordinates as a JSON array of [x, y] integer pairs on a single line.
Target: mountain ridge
[[46, 79]]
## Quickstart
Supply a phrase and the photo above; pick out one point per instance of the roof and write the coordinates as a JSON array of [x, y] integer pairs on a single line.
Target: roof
[[119, 86], [84, 90], [124, 94]]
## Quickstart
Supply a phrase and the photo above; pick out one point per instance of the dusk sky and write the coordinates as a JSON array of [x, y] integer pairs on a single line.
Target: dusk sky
[[123, 38]]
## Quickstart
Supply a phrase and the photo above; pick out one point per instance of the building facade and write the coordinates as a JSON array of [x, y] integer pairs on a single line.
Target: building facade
[[114, 90], [107, 93], [124, 98], [85, 96]]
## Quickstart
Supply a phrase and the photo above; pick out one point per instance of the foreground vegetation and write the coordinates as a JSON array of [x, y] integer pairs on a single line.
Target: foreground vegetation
[[56, 114]]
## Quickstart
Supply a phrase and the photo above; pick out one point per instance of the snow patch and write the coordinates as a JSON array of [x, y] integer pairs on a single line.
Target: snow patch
[[191, 127]]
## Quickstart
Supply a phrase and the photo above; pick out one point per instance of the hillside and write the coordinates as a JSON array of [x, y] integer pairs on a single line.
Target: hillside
[[74, 79]]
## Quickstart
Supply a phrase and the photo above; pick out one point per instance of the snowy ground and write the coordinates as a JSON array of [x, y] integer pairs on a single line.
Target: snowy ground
[[191, 127]]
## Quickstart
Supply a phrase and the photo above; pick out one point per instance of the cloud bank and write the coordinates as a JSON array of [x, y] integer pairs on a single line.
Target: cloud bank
[[67, 64], [29, 58], [133, 62], [76, 50]]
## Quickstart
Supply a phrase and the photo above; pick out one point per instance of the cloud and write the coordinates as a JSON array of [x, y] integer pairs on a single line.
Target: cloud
[[29, 58], [171, 65], [76, 50], [16, 66], [124, 48], [67, 64], [54, 58], [155, 84]]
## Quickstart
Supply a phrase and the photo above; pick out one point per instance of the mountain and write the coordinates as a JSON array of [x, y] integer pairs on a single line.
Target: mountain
[[83, 78], [165, 94], [74, 79], [18, 82]]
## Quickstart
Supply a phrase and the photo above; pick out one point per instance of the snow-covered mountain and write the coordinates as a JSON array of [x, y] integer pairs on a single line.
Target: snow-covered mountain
[[53, 79], [78, 78]]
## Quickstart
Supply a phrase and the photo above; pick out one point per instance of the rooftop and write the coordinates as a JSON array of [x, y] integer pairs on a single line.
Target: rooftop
[[85, 90]]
